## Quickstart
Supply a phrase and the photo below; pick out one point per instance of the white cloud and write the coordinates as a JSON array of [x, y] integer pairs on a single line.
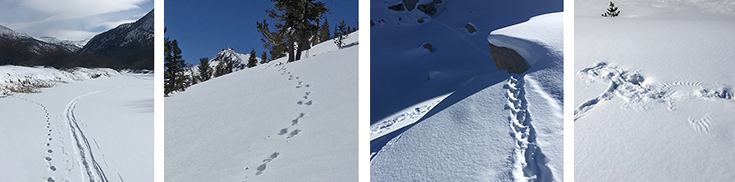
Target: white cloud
[[70, 9], [110, 25], [70, 34], [70, 19]]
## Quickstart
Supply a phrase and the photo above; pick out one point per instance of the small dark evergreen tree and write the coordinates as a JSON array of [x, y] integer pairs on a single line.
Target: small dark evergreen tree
[[228, 65], [612, 11], [296, 23], [219, 70], [174, 67], [264, 58], [251, 60], [340, 33], [324, 31], [205, 72]]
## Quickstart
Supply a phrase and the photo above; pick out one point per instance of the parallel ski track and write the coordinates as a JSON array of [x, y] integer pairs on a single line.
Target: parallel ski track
[[93, 170], [529, 160]]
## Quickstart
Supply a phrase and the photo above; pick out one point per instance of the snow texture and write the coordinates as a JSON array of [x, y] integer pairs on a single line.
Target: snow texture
[[653, 91], [448, 114], [274, 122], [95, 130]]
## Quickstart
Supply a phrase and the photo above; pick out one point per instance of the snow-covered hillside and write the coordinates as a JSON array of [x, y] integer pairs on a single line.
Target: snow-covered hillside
[[94, 130], [440, 108], [273, 122], [654, 91]]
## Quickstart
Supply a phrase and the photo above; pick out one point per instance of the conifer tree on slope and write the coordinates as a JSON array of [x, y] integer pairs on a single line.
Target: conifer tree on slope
[[340, 33], [219, 69], [324, 31], [174, 66], [612, 11], [205, 72], [264, 58], [251, 60], [274, 42], [295, 19]]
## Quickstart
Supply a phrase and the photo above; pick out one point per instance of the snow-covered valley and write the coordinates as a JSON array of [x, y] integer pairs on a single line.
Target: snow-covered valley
[[653, 91], [440, 108], [276, 121], [100, 129]]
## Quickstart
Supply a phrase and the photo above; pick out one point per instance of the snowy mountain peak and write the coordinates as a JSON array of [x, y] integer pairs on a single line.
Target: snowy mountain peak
[[10, 33], [133, 34]]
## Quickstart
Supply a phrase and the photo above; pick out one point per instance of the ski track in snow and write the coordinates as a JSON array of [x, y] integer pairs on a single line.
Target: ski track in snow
[[293, 124], [629, 87], [93, 170], [530, 162]]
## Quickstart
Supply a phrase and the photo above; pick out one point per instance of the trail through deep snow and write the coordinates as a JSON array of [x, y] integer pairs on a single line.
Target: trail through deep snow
[[530, 162]]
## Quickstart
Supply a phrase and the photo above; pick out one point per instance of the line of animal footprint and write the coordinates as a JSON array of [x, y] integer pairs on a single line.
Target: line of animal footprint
[[262, 167], [48, 158], [294, 122]]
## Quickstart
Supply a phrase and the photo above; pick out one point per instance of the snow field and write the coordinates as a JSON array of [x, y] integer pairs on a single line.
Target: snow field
[[653, 91], [274, 122], [117, 132], [443, 116]]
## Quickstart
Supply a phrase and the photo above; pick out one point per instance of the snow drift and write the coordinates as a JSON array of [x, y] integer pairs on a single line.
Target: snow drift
[[444, 113]]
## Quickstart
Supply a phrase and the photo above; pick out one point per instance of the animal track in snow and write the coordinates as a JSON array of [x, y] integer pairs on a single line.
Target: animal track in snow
[[283, 131], [261, 168], [293, 133], [273, 156], [701, 126], [630, 87], [528, 157]]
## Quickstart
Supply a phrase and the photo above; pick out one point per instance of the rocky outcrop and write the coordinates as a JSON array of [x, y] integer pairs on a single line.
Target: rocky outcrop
[[397, 7], [428, 47], [508, 59], [410, 4]]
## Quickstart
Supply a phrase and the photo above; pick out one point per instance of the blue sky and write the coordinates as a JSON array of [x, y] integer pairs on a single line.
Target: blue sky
[[204, 27], [70, 19]]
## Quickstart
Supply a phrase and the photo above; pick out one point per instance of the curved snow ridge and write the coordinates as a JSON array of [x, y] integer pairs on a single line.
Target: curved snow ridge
[[545, 30], [404, 118], [529, 161]]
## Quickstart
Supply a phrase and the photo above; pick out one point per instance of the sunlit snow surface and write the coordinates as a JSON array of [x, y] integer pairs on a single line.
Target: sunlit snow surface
[[450, 115], [81, 129], [653, 91], [273, 122]]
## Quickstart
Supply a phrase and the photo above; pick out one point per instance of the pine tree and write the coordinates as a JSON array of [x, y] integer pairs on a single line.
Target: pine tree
[[205, 72], [174, 67], [340, 33], [612, 11], [251, 60], [264, 58], [228, 65], [324, 31], [274, 42], [219, 70], [295, 22]]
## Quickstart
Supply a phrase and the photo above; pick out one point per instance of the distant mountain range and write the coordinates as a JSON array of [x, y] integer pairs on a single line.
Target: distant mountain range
[[239, 61], [128, 45]]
